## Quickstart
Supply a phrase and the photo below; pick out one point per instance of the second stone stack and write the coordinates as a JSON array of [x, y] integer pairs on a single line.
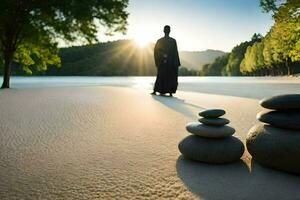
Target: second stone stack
[[212, 140], [275, 143]]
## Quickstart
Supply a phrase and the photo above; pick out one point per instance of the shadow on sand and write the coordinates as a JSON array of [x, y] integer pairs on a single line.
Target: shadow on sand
[[236, 181], [179, 105]]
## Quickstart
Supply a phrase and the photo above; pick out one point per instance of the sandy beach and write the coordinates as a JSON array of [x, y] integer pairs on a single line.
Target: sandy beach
[[101, 142]]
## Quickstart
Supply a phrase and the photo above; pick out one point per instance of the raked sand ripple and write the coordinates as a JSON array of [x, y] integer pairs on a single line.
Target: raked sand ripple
[[116, 143]]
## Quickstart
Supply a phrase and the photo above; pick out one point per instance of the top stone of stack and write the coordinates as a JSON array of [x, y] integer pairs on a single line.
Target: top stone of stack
[[282, 102], [212, 113]]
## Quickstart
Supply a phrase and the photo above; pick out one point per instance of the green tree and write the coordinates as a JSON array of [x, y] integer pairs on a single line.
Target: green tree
[[30, 29], [270, 5], [283, 41], [216, 68], [253, 59], [237, 55], [183, 71]]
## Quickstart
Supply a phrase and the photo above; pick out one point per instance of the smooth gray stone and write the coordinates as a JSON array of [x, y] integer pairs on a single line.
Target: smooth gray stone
[[212, 151], [281, 119], [214, 121], [212, 113], [282, 102], [274, 147], [203, 130]]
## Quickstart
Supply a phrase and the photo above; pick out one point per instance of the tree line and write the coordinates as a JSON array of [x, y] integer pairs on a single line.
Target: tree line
[[117, 58], [277, 53]]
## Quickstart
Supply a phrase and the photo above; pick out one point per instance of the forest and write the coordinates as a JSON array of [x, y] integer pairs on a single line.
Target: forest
[[276, 53], [116, 58]]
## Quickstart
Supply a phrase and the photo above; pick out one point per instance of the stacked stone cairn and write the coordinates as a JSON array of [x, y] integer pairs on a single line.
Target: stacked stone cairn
[[276, 143], [211, 140]]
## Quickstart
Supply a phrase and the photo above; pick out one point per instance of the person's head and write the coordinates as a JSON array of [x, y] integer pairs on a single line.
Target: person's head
[[167, 30]]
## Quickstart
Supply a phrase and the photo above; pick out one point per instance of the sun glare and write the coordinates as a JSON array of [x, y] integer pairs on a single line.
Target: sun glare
[[142, 41]]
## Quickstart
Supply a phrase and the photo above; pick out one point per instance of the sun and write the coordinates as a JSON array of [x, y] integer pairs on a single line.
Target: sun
[[142, 41]]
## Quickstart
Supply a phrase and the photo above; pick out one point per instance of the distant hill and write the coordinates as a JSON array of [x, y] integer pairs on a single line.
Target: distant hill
[[119, 58], [195, 60]]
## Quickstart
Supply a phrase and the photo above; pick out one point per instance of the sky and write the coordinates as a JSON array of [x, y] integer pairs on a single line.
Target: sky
[[196, 24]]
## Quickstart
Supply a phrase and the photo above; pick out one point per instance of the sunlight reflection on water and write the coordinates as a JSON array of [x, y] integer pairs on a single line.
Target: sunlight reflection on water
[[248, 87], [145, 82]]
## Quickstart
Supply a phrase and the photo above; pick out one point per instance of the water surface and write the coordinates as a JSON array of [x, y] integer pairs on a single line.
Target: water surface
[[248, 87]]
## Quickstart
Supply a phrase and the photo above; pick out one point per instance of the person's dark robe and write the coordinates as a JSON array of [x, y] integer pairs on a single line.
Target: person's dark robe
[[167, 63]]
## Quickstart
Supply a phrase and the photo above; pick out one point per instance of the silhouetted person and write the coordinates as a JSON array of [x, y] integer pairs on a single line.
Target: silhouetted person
[[167, 63]]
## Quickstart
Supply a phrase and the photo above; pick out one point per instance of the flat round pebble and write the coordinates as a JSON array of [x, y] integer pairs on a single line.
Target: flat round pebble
[[199, 129], [281, 119], [282, 102], [214, 151], [212, 113], [214, 121], [274, 147]]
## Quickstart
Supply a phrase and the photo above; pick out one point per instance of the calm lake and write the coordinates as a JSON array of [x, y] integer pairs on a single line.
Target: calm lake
[[248, 87]]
